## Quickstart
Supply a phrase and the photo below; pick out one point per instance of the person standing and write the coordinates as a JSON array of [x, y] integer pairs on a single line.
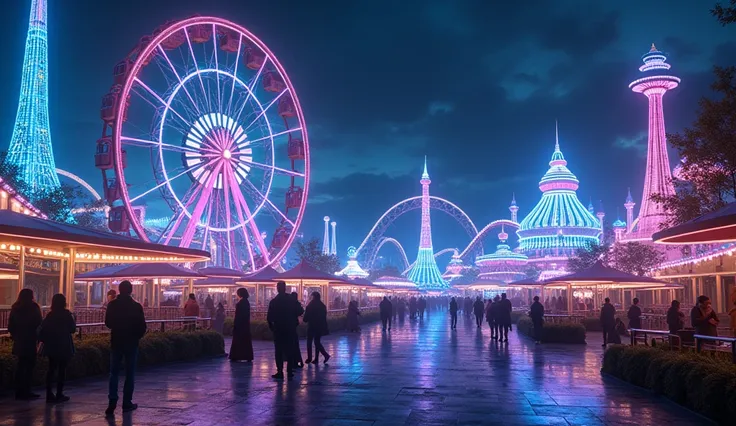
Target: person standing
[[608, 320], [352, 317], [478, 309], [453, 314], [315, 316], [503, 316], [111, 295], [536, 313], [401, 309], [634, 314], [675, 318], [209, 306], [127, 324], [218, 322], [282, 317], [297, 350], [412, 307], [421, 305], [242, 347], [56, 334], [191, 307], [385, 309], [703, 317], [25, 317]]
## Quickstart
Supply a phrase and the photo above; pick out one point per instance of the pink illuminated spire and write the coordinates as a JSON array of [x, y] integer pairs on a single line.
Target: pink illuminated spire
[[658, 178], [425, 240]]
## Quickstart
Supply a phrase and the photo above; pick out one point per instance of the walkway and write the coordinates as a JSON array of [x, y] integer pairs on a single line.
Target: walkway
[[419, 374]]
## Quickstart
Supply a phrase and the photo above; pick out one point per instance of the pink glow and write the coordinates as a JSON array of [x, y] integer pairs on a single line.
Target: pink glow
[[658, 178], [483, 233], [240, 203]]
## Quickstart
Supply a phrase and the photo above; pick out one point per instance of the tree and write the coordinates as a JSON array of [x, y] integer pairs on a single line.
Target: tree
[[532, 272], [707, 177], [309, 251], [10, 173], [92, 216], [636, 258], [725, 15], [468, 275], [56, 203], [386, 271], [587, 256]]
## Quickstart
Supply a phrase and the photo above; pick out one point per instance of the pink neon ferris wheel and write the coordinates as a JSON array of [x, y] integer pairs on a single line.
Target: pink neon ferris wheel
[[205, 144]]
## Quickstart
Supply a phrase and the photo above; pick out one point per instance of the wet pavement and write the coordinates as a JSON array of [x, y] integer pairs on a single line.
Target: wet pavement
[[420, 373]]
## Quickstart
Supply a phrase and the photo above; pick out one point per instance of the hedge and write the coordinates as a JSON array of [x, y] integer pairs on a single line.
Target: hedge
[[703, 383], [554, 333], [92, 355], [517, 315], [259, 329]]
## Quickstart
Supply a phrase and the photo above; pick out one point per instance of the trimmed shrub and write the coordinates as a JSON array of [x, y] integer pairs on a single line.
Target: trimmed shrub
[[92, 355], [706, 384], [259, 329], [517, 315], [555, 333]]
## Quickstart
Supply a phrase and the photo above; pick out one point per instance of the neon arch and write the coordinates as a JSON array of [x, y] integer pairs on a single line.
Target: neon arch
[[368, 248], [80, 181], [398, 246], [475, 243]]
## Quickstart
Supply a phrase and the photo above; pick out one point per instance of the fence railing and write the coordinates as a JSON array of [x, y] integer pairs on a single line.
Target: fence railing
[[641, 334], [701, 339]]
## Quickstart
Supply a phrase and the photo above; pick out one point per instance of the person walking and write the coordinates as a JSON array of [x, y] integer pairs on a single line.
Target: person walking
[[412, 307], [23, 322], [675, 318], [191, 307], [385, 309], [127, 324], [490, 318], [503, 316], [315, 316], [209, 306], [56, 335], [297, 350], [536, 313], [478, 310], [704, 318], [242, 347], [401, 309], [634, 314], [282, 317], [608, 321], [496, 323], [352, 317], [453, 314]]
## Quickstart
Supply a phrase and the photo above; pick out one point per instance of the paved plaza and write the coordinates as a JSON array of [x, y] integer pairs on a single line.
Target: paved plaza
[[420, 373]]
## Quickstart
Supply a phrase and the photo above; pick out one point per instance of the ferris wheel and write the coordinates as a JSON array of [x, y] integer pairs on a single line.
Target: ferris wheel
[[204, 144]]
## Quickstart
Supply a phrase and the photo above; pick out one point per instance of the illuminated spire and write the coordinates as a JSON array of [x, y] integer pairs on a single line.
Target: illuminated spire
[[30, 146], [653, 49], [333, 247], [425, 175], [326, 238]]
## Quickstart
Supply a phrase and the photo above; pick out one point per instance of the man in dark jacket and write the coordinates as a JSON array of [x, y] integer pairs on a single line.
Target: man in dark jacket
[[536, 313], [703, 317], [385, 308], [283, 316], [608, 320], [634, 314], [503, 316], [127, 323], [478, 309], [421, 305]]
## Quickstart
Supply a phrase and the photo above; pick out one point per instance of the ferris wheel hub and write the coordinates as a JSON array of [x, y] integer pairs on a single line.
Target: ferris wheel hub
[[227, 154]]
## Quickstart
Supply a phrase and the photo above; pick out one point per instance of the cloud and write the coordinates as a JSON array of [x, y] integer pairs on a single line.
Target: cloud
[[637, 143], [439, 107]]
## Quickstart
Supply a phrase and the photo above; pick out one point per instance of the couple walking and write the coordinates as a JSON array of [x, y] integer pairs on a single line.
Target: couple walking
[[283, 319]]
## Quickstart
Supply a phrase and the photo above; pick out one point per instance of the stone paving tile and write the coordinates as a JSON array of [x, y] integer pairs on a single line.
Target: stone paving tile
[[421, 373]]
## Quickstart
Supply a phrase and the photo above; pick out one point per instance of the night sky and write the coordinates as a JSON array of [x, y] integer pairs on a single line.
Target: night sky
[[474, 85]]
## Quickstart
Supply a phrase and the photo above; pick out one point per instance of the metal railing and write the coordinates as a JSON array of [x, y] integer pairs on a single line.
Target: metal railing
[[673, 340], [700, 339], [562, 318]]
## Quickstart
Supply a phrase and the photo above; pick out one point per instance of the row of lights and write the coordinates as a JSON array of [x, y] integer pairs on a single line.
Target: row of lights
[[697, 260], [111, 257]]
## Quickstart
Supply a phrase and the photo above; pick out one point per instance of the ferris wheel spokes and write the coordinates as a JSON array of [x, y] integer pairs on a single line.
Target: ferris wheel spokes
[[178, 78], [263, 109], [167, 181], [255, 194], [163, 102], [235, 73], [196, 68]]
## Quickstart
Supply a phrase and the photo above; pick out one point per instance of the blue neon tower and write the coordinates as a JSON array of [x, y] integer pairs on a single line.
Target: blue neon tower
[[425, 273], [30, 147]]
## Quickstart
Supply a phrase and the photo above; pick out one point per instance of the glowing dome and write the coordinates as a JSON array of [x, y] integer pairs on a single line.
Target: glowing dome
[[619, 224], [353, 269], [395, 283], [559, 224], [503, 265]]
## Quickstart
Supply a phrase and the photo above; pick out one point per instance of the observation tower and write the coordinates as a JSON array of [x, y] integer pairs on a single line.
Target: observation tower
[[559, 224], [503, 265], [425, 272], [30, 146], [658, 178]]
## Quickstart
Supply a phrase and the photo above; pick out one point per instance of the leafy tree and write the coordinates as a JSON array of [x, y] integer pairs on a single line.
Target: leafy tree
[[10, 173], [533, 272], [386, 271], [92, 215], [587, 256], [635, 258], [468, 275], [56, 203], [725, 15], [707, 178], [309, 251]]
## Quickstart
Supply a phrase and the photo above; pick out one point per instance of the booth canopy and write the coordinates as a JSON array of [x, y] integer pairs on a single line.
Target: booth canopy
[[41, 236], [526, 282], [306, 272], [714, 227], [139, 270], [599, 274], [265, 275], [220, 272]]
